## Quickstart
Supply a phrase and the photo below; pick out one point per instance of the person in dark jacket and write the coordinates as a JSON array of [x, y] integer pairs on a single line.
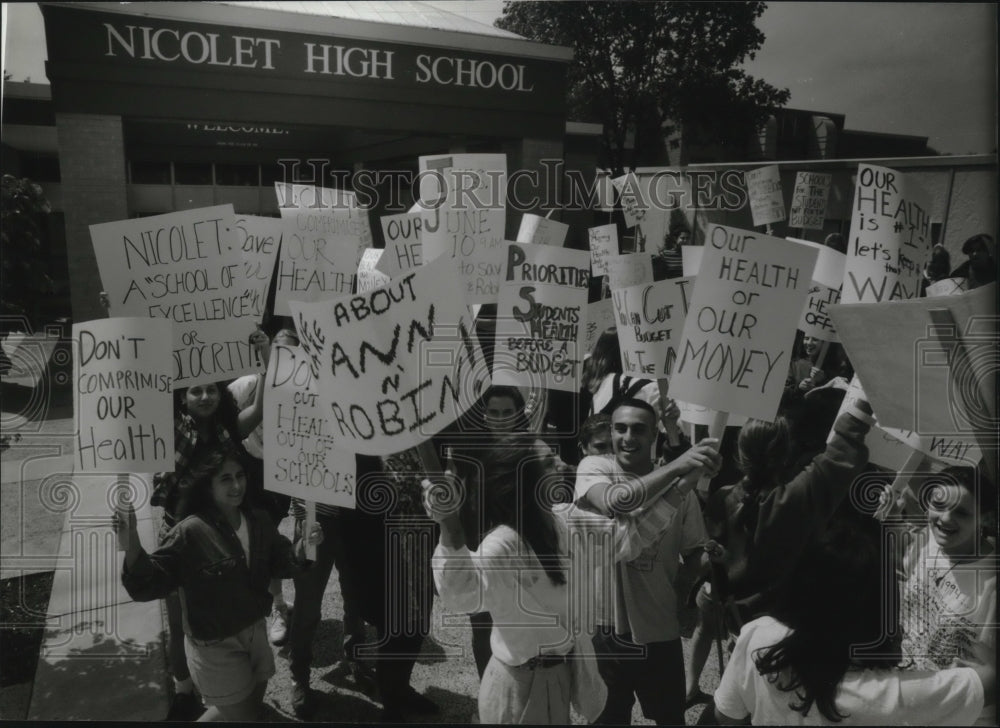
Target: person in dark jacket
[[221, 560]]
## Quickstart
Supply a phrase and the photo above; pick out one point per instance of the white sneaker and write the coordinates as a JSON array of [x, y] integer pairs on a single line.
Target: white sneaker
[[278, 631]]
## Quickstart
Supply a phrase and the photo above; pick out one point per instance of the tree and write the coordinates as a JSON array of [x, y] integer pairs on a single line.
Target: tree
[[649, 66]]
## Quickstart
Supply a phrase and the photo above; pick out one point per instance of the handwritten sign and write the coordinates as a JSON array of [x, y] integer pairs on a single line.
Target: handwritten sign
[[600, 318], [540, 317], [890, 239], [465, 217], [403, 247], [186, 267], [301, 458], [830, 263], [906, 371], [947, 287], [124, 411], [320, 252], [650, 318], [824, 291], [311, 197], [368, 275], [764, 188], [809, 200], [259, 239], [633, 202], [603, 243], [629, 269], [749, 296], [541, 231], [394, 365]]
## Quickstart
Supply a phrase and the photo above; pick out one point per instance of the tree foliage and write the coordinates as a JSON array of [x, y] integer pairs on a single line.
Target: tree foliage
[[645, 66], [24, 266]]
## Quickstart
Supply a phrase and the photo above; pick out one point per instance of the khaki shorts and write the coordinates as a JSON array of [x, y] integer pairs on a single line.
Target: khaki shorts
[[226, 671]]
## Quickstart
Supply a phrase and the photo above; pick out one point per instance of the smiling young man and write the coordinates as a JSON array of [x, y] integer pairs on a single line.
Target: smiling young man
[[641, 656]]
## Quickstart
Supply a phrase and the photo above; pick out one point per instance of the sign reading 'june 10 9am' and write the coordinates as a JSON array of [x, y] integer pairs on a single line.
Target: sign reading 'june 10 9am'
[[395, 365], [750, 292], [187, 267]]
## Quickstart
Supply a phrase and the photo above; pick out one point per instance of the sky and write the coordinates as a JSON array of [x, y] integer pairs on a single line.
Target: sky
[[928, 69]]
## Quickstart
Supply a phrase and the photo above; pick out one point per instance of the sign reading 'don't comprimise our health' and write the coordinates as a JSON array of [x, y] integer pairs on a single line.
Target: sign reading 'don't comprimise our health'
[[649, 318], [124, 406], [397, 364], [541, 317], [890, 238], [186, 267], [259, 239], [301, 457], [750, 292], [320, 252], [464, 216]]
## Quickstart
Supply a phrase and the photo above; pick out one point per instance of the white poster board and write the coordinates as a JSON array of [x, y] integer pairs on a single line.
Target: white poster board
[[735, 350], [947, 287], [541, 231], [809, 196], [186, 267], [403, 248], [600, 318], [629, 269], [369, 276], [124, 396], [634, 205], [649, 319], [764, 188], [890, 239], [301, 454], [397, 364], [691, 259], [259, 239], [541, 317], [603, 241]]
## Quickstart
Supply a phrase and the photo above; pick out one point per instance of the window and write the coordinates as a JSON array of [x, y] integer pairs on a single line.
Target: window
[[193, 173], [150, 173], [236, 175]]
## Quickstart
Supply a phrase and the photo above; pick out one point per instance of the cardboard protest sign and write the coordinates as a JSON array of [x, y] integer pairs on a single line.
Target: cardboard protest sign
[[124, 396], [301, 457], [750, 292], [320, 252], [890, 239], [600, 318], [809, 200], [633, 202], [691, 259], [540, 317], [764, 188], [369, 276], [464, 215], [906, 371], [649, 318], [823, 292], [397, 364], [603, 243], [403, 248], [695, 414], [829, 263], [311, 197], [629, 269], [187, 267], [259, 239], [947, 287], [541, 231]]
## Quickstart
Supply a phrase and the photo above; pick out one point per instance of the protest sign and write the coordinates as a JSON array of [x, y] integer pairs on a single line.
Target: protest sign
[[396, 364], [259, 239], [633, 202], [541, 231], [764, 189], [463, 217], [629, 269], [824, 291], [311, 197], [403, 249], [320, 252], [695, 414], [301, 457], [369, 276], [829, 265], [809, 200], [691, 259], [187, 267], [649, 319], [947, 287], [906, 369], [600, 318], [890, 239], [124, 396], [540, 317], [603, 243], [750, 292]]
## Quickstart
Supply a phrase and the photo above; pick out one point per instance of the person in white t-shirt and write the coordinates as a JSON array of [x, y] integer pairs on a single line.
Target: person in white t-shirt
[[824, 657]]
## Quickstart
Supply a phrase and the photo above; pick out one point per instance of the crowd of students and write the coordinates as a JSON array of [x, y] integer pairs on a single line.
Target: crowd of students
[[574, 544]]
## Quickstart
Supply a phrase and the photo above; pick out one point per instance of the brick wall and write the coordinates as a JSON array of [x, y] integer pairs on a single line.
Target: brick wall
[[92, 163]]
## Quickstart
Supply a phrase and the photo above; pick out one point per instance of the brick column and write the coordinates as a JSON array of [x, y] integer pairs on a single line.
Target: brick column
[[92, 167]]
